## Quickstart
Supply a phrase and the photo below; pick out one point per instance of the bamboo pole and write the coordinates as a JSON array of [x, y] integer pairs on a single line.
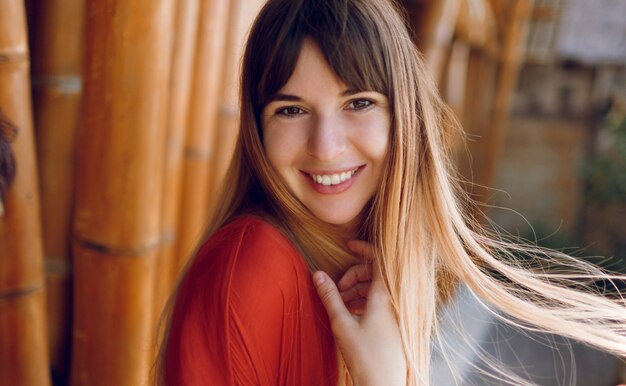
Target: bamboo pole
[[57, 35], [8, 131], [479, 93], [23, 340], [510, 61], [177, 122], [203, 108], [227, 114], [435, 31], [476, 24], [118, 189], [472, 98], [242, 16], [455, 81]]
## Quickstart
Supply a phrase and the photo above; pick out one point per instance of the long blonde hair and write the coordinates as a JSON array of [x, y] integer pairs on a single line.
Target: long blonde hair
[[418, 221]]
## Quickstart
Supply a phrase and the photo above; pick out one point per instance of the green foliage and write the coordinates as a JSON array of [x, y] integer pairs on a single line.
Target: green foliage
[[605, 175]]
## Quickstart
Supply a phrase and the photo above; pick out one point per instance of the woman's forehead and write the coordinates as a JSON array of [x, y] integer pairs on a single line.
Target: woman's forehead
[[312, 71], [347, 71]]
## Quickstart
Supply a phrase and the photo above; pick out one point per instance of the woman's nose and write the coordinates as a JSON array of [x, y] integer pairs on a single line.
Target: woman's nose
[[327, 139]]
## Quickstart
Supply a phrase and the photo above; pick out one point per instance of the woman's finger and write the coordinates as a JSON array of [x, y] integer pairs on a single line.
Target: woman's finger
[[340, 319], [357, 291], [355, 274], [362, 248], [357, 307], [367, 335]]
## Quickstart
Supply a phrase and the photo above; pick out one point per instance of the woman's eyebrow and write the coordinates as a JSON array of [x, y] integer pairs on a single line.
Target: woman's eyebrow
[[350, 91], [285, 97], [295, 98]]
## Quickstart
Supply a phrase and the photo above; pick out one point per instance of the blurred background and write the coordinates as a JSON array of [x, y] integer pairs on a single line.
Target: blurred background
[[122, 116]]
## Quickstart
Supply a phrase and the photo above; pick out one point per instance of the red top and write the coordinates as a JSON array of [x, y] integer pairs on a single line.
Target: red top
[[247, 313]]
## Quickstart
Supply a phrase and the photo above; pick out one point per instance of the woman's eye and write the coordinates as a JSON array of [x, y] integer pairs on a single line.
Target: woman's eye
[[290, 111], [360, 104]]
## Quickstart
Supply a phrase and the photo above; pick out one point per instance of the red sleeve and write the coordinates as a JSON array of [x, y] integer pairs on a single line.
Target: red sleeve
[[245, 316]]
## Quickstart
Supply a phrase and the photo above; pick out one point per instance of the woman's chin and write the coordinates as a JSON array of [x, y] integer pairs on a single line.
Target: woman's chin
[[346, 223]]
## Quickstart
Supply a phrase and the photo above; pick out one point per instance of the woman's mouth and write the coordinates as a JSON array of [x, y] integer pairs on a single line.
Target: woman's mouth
[[333, 179], [332, 182]]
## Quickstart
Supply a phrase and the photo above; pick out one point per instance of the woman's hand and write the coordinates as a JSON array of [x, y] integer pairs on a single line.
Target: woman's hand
[[354, 286], [370, 344]]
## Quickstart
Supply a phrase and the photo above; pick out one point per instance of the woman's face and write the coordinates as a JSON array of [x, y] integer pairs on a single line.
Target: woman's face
[[329, 143]]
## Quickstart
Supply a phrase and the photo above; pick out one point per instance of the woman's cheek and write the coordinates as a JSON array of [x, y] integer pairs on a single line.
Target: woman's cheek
[[282, 143], [373, 136]]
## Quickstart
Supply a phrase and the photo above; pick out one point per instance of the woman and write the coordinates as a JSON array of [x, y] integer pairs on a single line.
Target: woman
[[344, 138]]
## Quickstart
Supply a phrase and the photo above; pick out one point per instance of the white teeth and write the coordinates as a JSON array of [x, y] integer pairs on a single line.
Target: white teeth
[[333, 179]]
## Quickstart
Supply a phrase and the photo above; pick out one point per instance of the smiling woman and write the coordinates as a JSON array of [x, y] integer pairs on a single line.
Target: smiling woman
[[342, 170], [328, 144]]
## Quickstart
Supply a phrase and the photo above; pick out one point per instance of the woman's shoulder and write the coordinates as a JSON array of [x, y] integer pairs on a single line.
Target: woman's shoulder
[[252, 229], [251, 237], [250, 253], [246, 296], [248, 270]]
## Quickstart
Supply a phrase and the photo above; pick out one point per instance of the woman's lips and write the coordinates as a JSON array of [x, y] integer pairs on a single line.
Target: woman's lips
[[328, 177]]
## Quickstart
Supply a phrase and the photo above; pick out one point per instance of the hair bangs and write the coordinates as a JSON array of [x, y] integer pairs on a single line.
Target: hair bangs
[[348, 38], [350, 41]]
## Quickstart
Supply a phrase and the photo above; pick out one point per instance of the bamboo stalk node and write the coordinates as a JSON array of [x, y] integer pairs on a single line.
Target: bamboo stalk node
[[21, 292], [58, 266], [127, 251], [168, 238], [198, 153], [229, 111], [69, 84], [13, 60]]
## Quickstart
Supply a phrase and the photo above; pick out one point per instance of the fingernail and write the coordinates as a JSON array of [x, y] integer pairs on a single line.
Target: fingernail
[[319, 278]]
